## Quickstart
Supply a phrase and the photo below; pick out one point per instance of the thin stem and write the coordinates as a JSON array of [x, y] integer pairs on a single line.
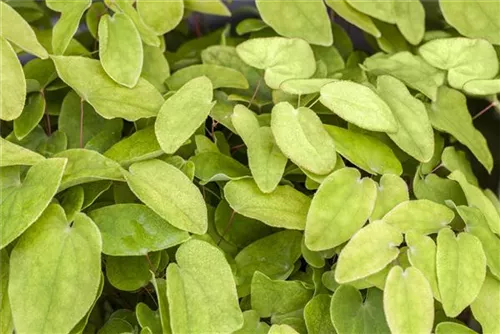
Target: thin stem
[[254, 93], [197, 29], [313, 103], [237, 147], [488, 107], [81, 123], [436, 168], [298, 101], [214, 124], [150, 295], [212, 192], [228, 226], [47, 116]]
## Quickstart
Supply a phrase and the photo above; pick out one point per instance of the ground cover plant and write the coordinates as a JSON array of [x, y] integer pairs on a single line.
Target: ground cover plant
[[159, 175]]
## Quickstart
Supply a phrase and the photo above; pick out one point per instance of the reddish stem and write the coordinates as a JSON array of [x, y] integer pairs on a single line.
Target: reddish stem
[[254, 93], [197, 29], [226, 229], [488, 107], [237, 147]]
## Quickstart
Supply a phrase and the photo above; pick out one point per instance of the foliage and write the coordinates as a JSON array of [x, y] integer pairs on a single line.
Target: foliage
[[265, 177]]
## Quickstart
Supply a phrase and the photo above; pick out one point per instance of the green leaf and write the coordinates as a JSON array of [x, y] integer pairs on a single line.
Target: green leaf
[[115, 326], [271, 297], [408, 302], [128, 273], [351, 314], [72, 202], [340, 207], [301, 137], [23, 203], [13, 81], [359, 105], [252, 324], [215, 166], [140, 230], [161, 16], [282, 329], [183, 113], [284, 207], [120, 49], [273, 256], [450, 114], [201, 291], [86, 166], [93, 190], [452, 327], [250, 25], [282, 58], [360, 20], [414, 135], [392, 190], [13, 155], [365, 151], [67, 25], [148, 318], [307, 20], [413, 70], [392, 40], [317, 315], [461, 269], [484, 308], [6, 322], [304, 86], [155, 67], [465, 59], [170, 194], [15, 29], [92, 17], [410, 19], [478, 226], [215, 7], [476, 198], [55, 273], [141, 145], [379, 9], [109, 99], [453, 159], [40, 70], [32, 114], [160, 286], [220, 76], [482, 87], [437, 189], [93, 124], [422, 255], [368, 251], [464, 16], [422, 216]]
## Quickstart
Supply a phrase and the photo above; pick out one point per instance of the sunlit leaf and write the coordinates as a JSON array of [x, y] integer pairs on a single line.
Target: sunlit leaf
[[350, 14], [11, 99], [161, 16]]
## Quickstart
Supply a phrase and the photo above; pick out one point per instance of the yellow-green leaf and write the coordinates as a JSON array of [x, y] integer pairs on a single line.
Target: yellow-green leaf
[[13, 82], [161, 16]]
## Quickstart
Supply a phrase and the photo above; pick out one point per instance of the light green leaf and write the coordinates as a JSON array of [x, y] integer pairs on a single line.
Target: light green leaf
[[437, 189], [187, 167], [6, 322], [368, 251], [215, 166], [183, 113], [92, 17], [422, 216], [70, 119], [250, 25], [120, 49], [391, 191], [413, 70], [115, 326], [408, 302], [245, 122], [482, 87], [273, 256], [128, 273], [14, 28], [307, 20], [476, 198], [155, 67], [55, 273], [139, 232], [13, 82], [465, 59], [282, 58], [478, 226], [284, 207], [148, 318], [331, 58], [201, 291], [485, 306], [265, 159], [410, 19], [215, 7], [392, 40], [365, 151], [23, 203], [350, 314], [414, 135], [360, 20], [160, 286], [422, 255], [464, 16], [30, 117], [301, 137], [282, 329], [13, 155], [252, 324], [317, 315], [170, 194], [453, 327], [461, 269], [453, 159], [161, 16], [493, 198], [450, 114], [340, 207], [220, 76], [93, 190], [379, 9], [359, 105], [86, 166], [72, 202], [304, 86], [141, 145], [67, 25], [271, 297], [109, 99]]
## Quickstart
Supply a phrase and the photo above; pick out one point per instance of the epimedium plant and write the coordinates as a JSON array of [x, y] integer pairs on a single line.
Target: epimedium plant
[[264, 177]]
